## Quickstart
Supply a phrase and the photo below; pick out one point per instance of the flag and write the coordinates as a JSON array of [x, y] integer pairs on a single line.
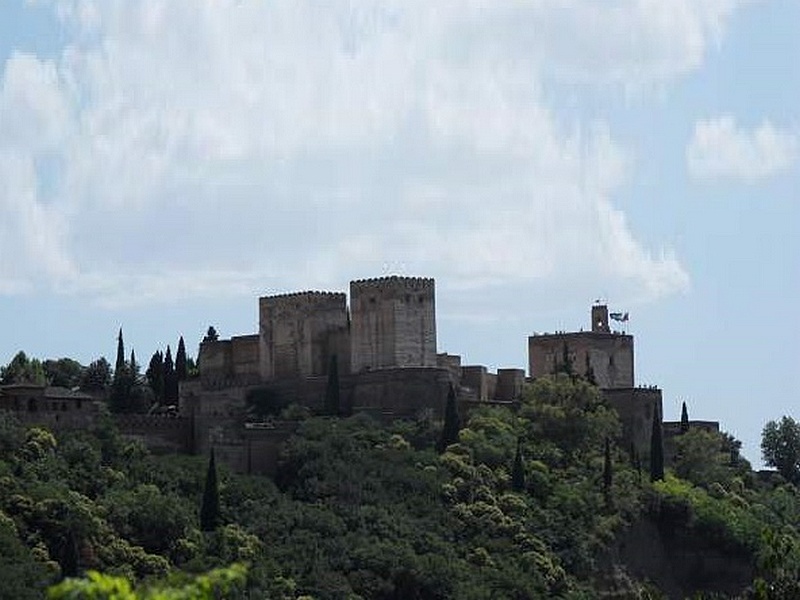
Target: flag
[[618, 316]]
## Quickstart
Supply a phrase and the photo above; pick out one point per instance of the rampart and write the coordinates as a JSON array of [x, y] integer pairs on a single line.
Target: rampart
[[636, 407]]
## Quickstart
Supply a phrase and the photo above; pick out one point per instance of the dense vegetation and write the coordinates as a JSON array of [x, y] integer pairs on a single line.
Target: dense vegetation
[[527, 503]]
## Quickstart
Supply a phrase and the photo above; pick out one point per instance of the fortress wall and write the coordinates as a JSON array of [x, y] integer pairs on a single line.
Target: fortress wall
[[216, 358], [636, 407], [162, 434], [295, 332], [509, 384], [401, 392], [475, 378], [393, 323], [610, 355], [244, 355], [491, 385], [451, 362]]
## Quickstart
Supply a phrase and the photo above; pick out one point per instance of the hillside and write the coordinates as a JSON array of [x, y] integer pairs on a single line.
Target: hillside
[[531, 503]]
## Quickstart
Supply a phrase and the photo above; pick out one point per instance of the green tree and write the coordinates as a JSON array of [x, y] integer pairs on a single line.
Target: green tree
[[452, 423], [518, 470], [209, 511], [684, 418], [22, 369], [119, 365], [97, 376], [332, 392], [155, 376], [170, 379], [656, 449], [181, 370], [607, 467], [63, 372], [780, 447]]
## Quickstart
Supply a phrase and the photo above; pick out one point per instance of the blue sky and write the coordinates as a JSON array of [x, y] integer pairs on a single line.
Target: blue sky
[[162, 164]]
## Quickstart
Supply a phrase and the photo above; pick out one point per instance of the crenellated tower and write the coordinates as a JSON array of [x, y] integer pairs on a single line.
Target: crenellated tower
[[393, 323], [299, 332]]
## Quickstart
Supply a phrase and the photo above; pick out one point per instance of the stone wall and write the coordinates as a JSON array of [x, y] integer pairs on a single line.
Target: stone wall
[[610, 355], [393, 323], [299, 332], [636, 407]]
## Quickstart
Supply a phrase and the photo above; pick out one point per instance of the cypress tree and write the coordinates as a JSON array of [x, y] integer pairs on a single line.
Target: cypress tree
[[451, 423], [684, 419], [119, 366], [170, 380], [607, 472], [180, 361], [332, 392], [518, 470], [590, 371], [134, 366], [155, 376], [209, 511], [656, 449]]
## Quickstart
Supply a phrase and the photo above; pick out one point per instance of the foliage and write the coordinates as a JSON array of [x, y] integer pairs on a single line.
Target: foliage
[[217, 583], [704, 458], [684, 418], [97, 376], [63, 372], [22, 369], [780, 446]]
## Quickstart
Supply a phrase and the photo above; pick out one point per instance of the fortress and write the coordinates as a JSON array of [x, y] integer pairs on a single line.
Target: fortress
[[382, 350]]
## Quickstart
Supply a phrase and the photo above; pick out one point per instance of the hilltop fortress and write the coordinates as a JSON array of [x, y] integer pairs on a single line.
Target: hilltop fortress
[[382, 351]]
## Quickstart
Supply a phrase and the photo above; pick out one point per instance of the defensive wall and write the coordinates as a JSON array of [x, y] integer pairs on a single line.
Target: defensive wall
[[636, 407], [673, 430]]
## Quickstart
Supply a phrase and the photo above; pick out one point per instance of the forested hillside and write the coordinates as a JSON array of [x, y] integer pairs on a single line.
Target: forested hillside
[[538, 502]]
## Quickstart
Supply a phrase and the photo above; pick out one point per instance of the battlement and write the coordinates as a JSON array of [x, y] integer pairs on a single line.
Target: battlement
[[303, 299], [393, 282]]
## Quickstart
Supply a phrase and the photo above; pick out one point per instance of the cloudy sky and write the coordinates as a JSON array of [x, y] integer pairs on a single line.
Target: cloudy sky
[[165, 162]]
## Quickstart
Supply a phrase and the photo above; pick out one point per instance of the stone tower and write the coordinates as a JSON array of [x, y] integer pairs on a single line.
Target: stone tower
[[393, 323], [600, 319], [299, 332]]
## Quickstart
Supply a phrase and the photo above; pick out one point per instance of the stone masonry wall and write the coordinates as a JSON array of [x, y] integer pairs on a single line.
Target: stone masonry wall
[[299, 332], [393, 323], [609, 354]]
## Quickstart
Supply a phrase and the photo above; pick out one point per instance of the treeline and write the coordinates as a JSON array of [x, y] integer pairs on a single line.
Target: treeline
[[124, 386], [525, 503]]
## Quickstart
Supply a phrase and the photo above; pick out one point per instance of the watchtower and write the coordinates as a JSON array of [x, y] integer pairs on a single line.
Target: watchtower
[[299, 332], [393, 323]]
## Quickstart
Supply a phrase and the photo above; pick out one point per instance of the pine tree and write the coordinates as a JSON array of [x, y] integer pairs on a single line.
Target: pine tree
[[656, 449], [209, 511], [451, 423], [332, 392], [684, 418], [518, 470], [180, 361]]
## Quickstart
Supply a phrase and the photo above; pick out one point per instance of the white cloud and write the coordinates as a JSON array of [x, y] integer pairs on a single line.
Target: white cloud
[[294, 144], [721, 150]]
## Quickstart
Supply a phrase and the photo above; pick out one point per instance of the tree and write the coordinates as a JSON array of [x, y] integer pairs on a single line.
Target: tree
[[332, 392], [134, 366], [452, 423], [607, 469], [155, 376], [119, 365], [590, 376], [684, 419], [21, 369], [181, 371], [211, 335], [656, 449], [97, 376], [209, 511], [63, 372], [170, 379], [518, 470], [780, 447]]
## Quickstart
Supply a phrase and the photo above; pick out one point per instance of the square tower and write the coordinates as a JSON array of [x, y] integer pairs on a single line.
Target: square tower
[[393, 323], [298, 333]]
